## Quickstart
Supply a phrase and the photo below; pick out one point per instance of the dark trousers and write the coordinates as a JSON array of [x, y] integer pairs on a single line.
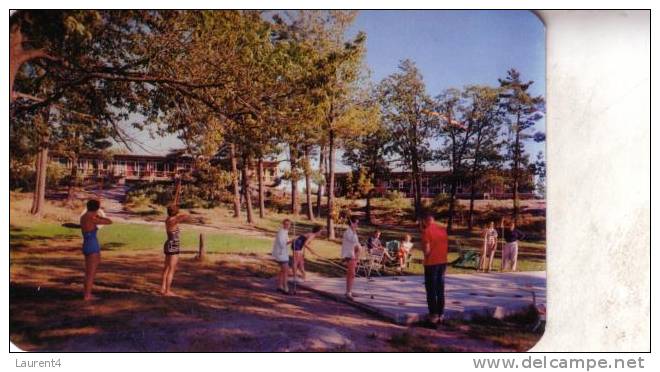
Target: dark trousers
[[434, 280]]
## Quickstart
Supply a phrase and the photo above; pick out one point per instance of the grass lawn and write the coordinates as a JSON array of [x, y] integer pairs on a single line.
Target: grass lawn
[[125, 237], [135, 237]]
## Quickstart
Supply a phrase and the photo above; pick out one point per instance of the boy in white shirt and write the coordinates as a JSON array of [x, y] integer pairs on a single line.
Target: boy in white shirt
[[350, 248], [281, 254]]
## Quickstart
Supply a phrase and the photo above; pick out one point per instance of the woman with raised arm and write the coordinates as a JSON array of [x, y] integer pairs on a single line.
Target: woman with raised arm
[[172, 245], [89, 222]]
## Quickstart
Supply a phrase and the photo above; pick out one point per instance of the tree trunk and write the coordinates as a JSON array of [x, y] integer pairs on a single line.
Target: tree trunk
[[516, 160], [260, 175], [452, 203], [39, 195], [72, 177], [234, 176], [295, 202], [308, 186], [473, 180], [368, 207], [473, 192], [319, 190], [247, 191], [331, 186], [417, 186], [41, 166]]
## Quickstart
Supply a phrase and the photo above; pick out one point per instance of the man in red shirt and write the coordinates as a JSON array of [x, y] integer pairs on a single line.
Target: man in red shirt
[[434, 245]]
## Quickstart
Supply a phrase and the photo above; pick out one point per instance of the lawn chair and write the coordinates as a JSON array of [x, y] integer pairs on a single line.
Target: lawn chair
[[370, 262], [467, 258], [392, 247], [362, 261]]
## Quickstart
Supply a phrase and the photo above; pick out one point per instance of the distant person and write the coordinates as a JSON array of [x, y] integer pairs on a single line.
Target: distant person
[[172, 247], [280, 253], [299, 245], [434, 247], [490, 246], [374, 241], [376, 247], [89, 223], [350, 248], [404, 250], [510, 250]]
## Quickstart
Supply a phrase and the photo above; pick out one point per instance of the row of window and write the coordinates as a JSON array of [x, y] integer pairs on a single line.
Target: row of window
[[128, 167], [134, 168]]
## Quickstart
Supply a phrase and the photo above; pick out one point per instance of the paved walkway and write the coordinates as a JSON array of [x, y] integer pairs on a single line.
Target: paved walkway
[[402, 299]]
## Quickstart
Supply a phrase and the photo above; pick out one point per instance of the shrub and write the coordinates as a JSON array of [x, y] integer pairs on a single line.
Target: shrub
[[278, 202], [56, 175], [395, 201], [343, 209], [21, 176]]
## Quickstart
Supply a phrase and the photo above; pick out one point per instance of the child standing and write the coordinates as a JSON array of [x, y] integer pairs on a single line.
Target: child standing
[[350, 249], [404, 250], [281, 255], [299, 245]]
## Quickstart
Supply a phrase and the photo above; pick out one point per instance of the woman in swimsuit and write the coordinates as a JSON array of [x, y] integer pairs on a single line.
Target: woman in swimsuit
[[299, 244], [489, 247], [171, 248], [89, 222]]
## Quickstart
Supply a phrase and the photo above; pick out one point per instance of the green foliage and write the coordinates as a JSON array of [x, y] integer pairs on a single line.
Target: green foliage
[[343, 210], [56, 175], [21, 175], [394, 201], [207, 189]]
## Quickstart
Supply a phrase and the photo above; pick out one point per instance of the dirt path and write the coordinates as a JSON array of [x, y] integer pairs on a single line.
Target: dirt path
[[112, 204], [227, 304]]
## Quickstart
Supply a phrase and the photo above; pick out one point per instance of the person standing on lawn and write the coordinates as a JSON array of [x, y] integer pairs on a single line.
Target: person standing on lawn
[[490, 246], [434, 246], [171, 248], [299, 245], [280, 253], [350, 249], [89, 224], [510, 250]]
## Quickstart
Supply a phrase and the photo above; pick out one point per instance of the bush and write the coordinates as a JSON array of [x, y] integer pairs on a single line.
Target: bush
[[395, 201], [343, 209], [278, 202], [150, 193], [21, 176], [56, 175]]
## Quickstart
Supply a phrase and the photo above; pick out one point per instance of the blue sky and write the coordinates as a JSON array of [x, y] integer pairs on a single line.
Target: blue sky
[[451, 49]]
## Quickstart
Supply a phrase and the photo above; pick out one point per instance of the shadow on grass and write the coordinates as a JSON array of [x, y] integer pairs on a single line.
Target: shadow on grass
[[223, 306]]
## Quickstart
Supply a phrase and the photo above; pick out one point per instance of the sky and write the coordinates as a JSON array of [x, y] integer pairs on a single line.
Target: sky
[[451, 49]]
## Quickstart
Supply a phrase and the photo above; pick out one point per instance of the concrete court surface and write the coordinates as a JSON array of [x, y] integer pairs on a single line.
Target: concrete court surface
[[402, 299]]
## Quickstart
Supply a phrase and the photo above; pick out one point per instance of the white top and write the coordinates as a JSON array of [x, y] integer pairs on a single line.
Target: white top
[[280, 251], [407, 246], [348, 242]]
